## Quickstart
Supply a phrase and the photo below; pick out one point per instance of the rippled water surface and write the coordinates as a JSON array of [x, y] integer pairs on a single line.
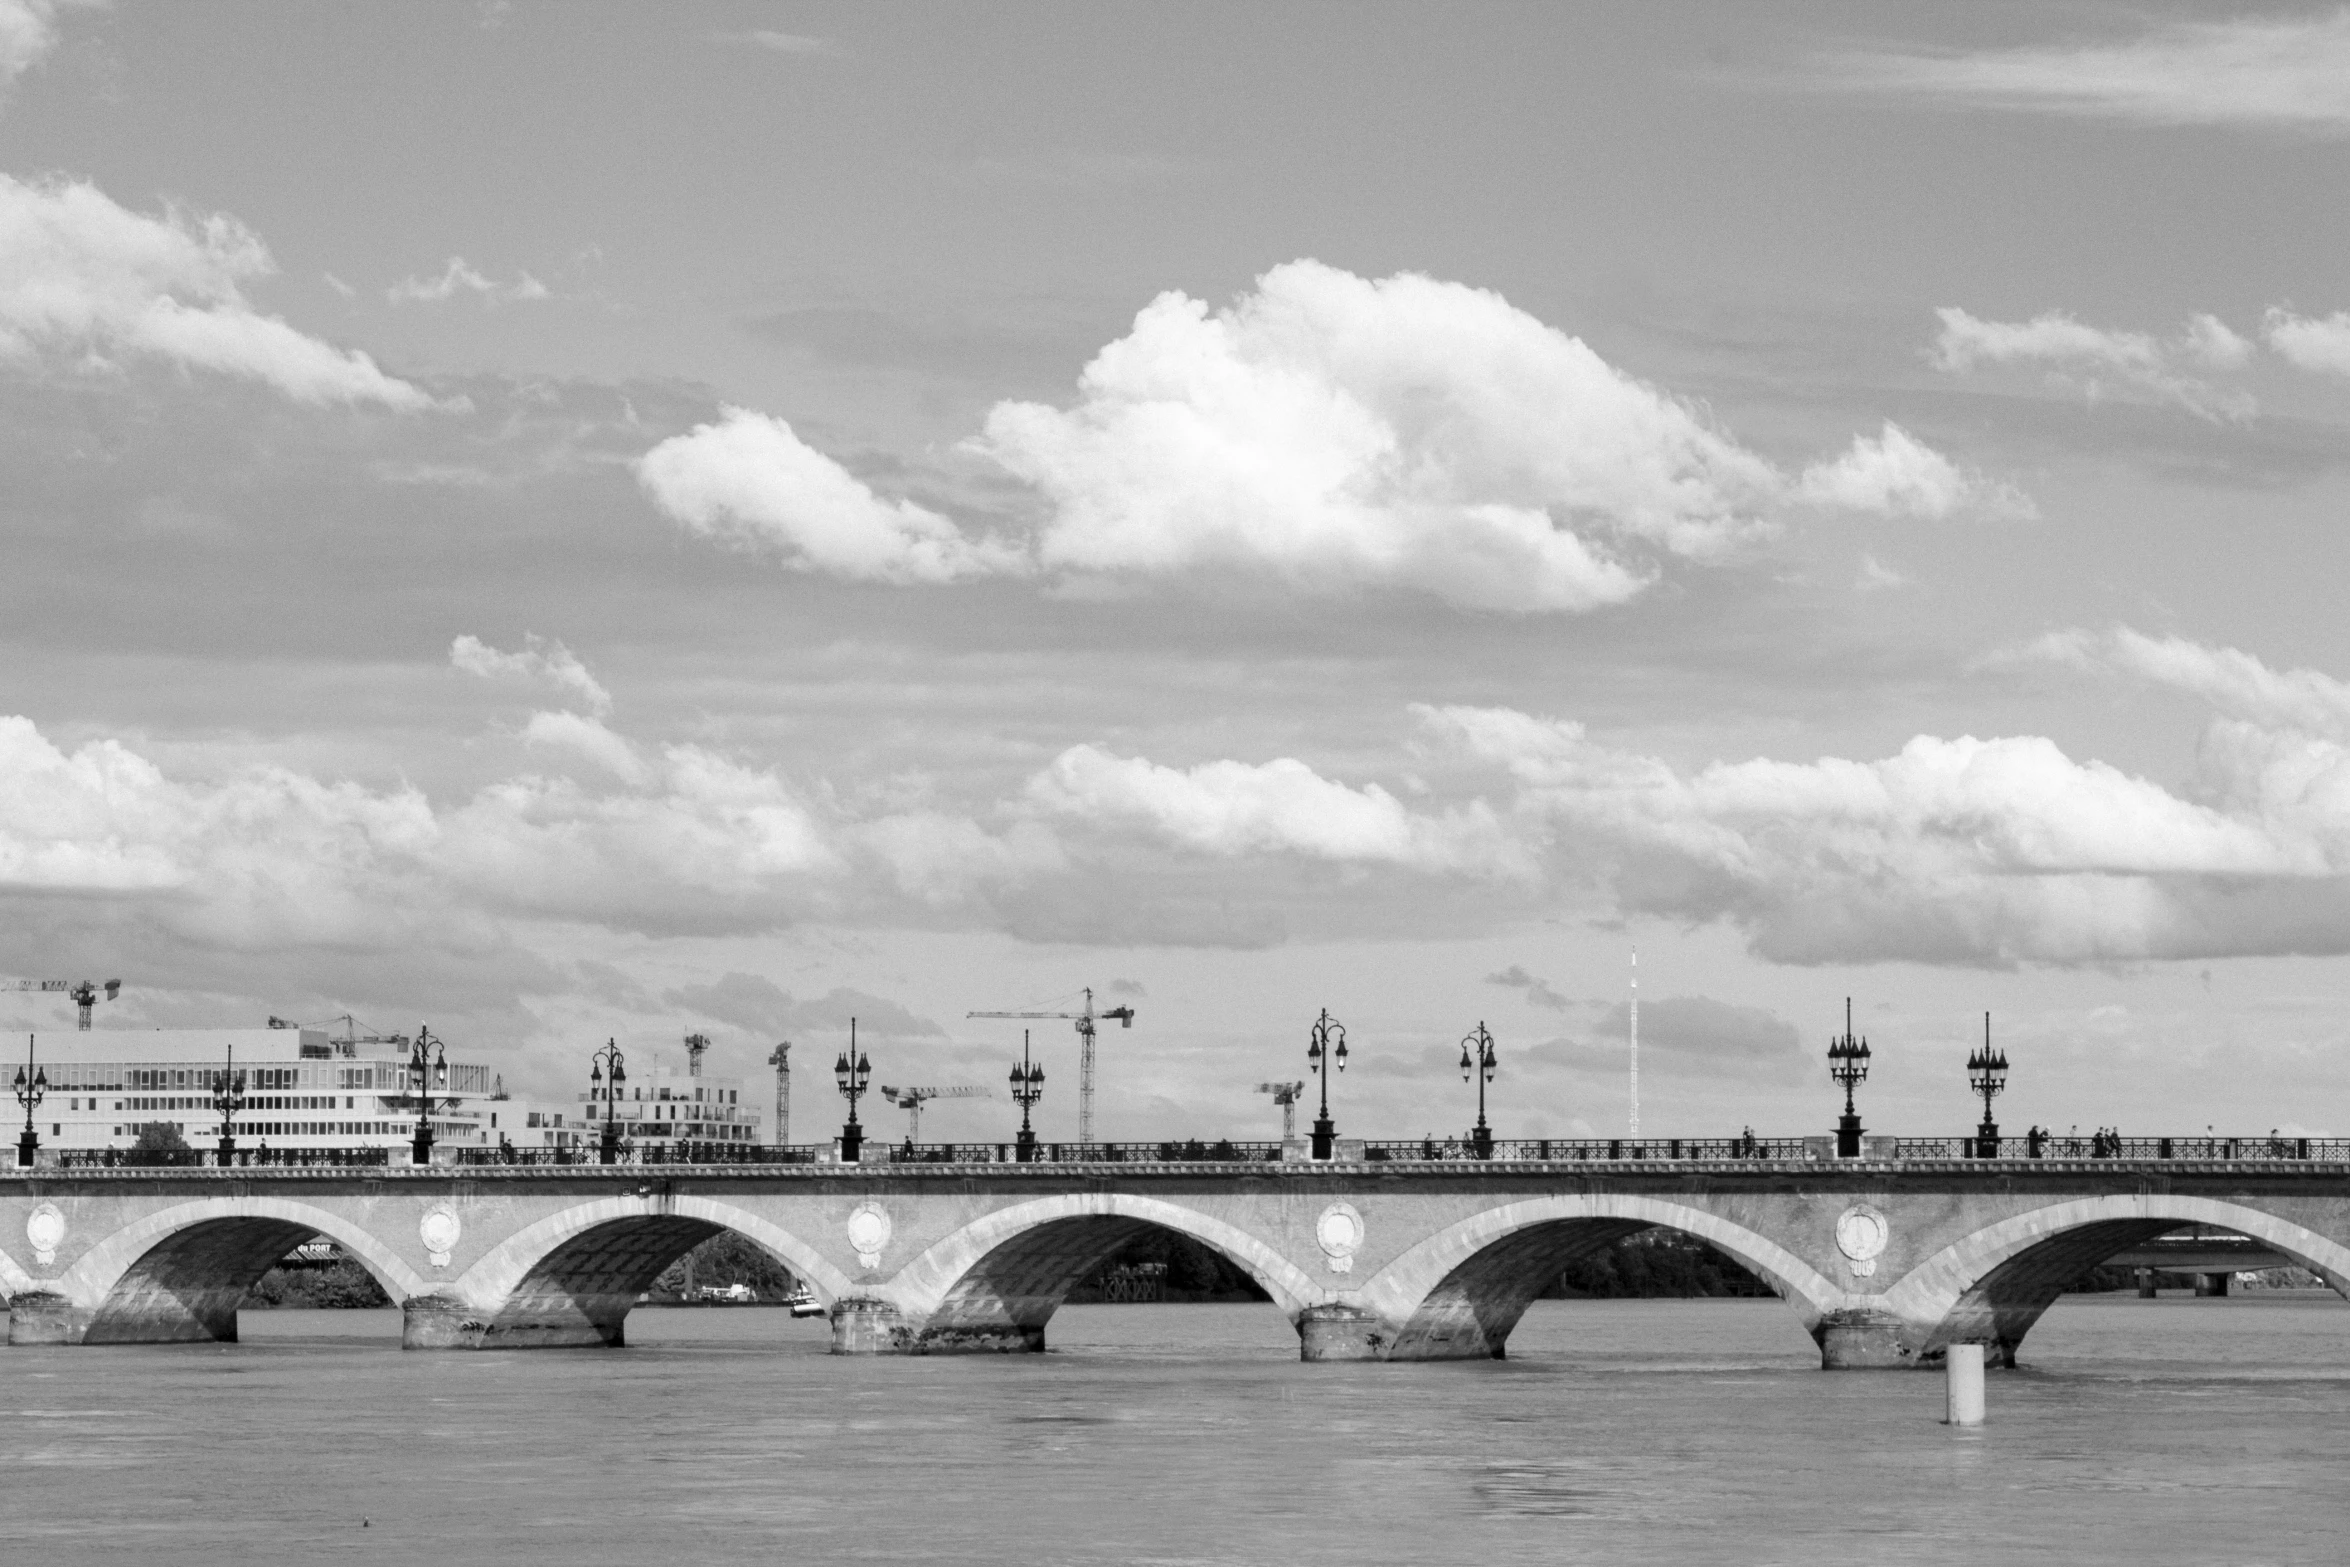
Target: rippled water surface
[[1634, 1431]]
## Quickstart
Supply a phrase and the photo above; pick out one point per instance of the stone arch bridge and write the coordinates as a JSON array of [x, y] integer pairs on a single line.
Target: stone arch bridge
[[1883, 1263]]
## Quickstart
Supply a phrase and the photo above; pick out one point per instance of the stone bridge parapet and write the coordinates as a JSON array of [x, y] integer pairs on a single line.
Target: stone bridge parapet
[[1883, 1263]]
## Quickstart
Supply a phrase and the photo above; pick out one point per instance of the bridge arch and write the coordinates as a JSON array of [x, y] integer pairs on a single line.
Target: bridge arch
[[994, 1283], [570, 1278], [1990, 1287], [1458, 1293], [179, 1273]]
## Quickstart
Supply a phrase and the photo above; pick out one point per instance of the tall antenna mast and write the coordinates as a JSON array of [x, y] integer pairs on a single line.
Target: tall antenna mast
[[1635, 1041]]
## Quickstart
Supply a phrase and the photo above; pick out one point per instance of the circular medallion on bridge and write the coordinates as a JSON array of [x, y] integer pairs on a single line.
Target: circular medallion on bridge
[[1861, 1233], [45, 1227], [439, 1230], [869, 1232], [1339, 1232]]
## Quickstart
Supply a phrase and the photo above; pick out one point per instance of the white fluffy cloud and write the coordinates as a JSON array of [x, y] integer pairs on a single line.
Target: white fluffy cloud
[[2271, 73], [1975, 850], [1330, 432], [2313, 343], [749, 479], [541, 661], [2097, 358], [1233, 808], [1897, 475], [85, 278], [262, 856], [1406, 430]]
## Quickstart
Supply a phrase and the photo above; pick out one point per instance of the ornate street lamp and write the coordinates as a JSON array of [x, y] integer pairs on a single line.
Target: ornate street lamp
[[1477, 1060], [1848, 1064], [1027, 1089], [228, 1097], [607, 1070], [1326, 1047], [32, 1086], [852, 1072], [428, 1069], [1987, 1070]]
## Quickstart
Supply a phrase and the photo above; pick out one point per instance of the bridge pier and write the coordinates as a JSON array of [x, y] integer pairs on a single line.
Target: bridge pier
[[1341, 1332], [1866, 1341], [39, 1317], [864, 1326]]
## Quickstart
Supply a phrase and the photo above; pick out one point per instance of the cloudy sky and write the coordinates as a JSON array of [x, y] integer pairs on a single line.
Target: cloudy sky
[[581, 520]]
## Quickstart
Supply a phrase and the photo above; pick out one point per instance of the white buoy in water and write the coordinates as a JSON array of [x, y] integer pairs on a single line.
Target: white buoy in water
[[1965, 1364]]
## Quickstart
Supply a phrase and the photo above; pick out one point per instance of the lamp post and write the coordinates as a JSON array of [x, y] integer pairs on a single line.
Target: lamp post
[[1987, 1070], [1477, 1061], [1027, 1089], [607, 1070], [1326, 1047], [1848, 1064], [428, 1069], [852, 1072], [32, 1086], [228, 1097]]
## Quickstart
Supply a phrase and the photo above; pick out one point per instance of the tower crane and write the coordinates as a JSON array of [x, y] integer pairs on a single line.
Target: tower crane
[[911, 1100], [1286, 1096], [83, 993], [1084, 1021]]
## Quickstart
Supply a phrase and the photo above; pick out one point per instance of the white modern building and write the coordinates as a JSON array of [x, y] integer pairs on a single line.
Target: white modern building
[[660, 1105], [303, 1090]]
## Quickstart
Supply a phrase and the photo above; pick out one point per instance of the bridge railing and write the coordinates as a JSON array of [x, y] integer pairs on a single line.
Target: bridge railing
[[2113, 1145], [1591, 1149], [242, 1158]]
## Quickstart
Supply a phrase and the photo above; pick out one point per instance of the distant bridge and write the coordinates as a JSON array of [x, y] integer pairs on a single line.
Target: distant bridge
[[1884, 1262]]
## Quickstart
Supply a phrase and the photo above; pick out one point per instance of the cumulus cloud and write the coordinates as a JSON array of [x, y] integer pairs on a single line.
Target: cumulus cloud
[[2096, 358], [1331, 433], [1406, 430], [1896, 475], [1231, 808], [585, 736], [2269, 73], [1967, 850], [688, 839], [84, 278], [459, 277], [541, 661], [750, 480], [2321, 343]]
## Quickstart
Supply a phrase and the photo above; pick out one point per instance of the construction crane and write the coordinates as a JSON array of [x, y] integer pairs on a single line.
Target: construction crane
[[83, 993], [911, 1100], [1084, 1021], [1286, 1096]]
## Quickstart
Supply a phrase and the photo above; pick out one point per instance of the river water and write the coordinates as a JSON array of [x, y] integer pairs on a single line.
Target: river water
[[1677, 1432]]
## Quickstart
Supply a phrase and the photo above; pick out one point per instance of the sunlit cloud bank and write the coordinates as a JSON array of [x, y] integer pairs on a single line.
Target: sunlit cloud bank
[[1953, 850], [85, 282], [1332, 433], [1957, 850]]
